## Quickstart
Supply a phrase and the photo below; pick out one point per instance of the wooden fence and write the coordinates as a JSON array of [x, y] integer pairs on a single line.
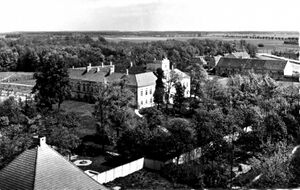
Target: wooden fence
[[120, 171], [136, 165]]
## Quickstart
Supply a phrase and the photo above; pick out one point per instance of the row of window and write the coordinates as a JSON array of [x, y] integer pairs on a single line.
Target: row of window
[[146, 101], [146, 92]]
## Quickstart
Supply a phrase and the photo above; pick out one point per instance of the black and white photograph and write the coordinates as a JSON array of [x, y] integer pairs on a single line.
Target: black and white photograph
[[149, 94]]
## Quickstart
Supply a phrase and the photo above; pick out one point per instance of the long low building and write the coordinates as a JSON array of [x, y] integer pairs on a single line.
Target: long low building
[[277, 69]]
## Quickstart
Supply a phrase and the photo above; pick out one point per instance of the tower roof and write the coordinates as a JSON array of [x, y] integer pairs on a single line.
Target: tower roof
[[44, 168]]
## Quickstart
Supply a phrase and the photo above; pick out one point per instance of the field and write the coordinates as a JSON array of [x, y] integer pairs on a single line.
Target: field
[[269, 45]]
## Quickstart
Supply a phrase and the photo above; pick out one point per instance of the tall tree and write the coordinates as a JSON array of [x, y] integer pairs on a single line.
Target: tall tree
[[52, 82], [159, 88], [179, 96], [251, 50], [112, 109]]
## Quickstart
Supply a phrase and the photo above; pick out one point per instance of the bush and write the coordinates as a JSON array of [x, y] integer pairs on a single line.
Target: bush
[[261, 45], [189, 174]]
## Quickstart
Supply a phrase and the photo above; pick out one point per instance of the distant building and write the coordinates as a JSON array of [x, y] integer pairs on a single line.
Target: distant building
[[277, 69], [41, 168], [183, 78], [240, 55], [86, 81], [16, 84]]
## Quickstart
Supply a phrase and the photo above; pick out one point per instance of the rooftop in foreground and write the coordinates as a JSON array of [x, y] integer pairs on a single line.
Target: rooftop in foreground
[[42, 168]]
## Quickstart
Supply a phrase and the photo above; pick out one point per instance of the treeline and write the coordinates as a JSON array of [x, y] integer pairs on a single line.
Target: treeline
[[288, 54], [25, 53]]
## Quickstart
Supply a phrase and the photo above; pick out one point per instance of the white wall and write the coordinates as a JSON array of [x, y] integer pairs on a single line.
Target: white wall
[[145, 96], [120, 171], [291, 69]]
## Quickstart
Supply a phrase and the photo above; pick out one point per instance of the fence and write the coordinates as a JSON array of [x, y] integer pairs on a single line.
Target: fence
[[183, 158], [129, 168], [189, 156], [153, 164], [120, 171]]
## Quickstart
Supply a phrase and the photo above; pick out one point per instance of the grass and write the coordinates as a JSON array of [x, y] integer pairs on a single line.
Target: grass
[[85, 112], [82, 108], [97, 164]]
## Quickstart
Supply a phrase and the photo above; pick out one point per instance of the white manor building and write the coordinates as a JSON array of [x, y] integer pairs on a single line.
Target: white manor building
[[85, 81]]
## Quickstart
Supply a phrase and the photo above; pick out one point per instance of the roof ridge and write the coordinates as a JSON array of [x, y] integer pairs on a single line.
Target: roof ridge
[[74, 166], [35, 165]]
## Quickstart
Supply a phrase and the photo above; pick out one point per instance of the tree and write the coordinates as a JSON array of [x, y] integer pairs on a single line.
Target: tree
[[183, 136], [198, 78], [159, 88], [274, 170], [112, 109], [275, 128], [61, 131], [8, 59], [154, 117], [179, 96], [172, 79], [52, 82], [251, 50]]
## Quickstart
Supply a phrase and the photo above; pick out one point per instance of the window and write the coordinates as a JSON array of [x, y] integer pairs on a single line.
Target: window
[[141, 92], [150, 91], [142, 102], [146, 101], [150, 100], [146, 91]]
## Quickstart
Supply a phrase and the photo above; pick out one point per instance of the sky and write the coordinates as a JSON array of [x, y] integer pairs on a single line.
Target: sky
[[155, 15]]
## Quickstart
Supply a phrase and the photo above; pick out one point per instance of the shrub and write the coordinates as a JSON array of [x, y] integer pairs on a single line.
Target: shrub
[[261, 45]]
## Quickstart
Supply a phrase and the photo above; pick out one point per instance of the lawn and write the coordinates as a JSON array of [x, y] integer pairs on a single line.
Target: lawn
[[85, 113], [97, 164]]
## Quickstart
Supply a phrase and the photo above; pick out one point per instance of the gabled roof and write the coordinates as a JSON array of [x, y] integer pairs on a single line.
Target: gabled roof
[[43, 168], [181, 74], [272, 65], [92, 75], [116, 77]]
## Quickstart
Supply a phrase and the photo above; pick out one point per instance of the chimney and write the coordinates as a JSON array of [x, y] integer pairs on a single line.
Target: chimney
[[127, 71], [73, 67], [102, 64], [88, 68], [110, 63], [39, 141], [131, 64], [112, 69], [98, 69]]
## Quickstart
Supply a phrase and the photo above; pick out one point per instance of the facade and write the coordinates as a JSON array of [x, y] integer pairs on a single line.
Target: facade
[[277, 69], [40, 168]]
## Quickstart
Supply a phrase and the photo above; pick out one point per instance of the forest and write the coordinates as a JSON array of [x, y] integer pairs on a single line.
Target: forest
[[25, 53]]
